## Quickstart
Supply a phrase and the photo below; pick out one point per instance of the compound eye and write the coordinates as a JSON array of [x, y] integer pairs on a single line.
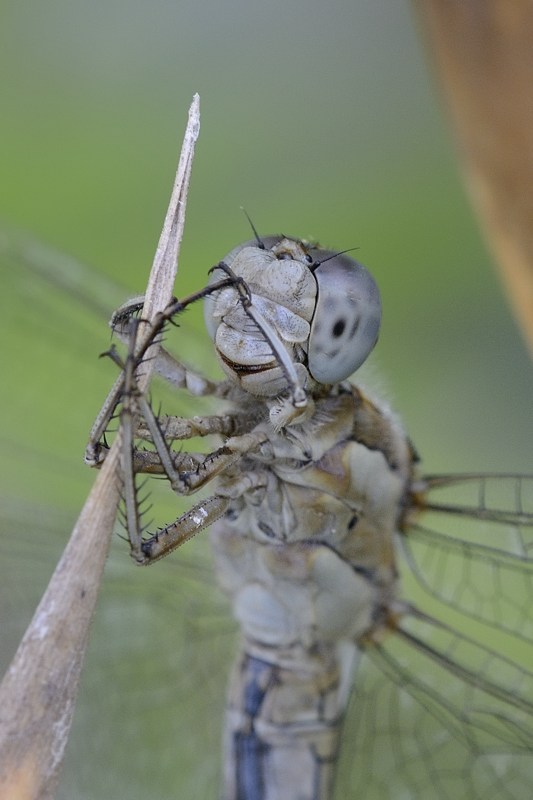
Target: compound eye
[[347, 317]]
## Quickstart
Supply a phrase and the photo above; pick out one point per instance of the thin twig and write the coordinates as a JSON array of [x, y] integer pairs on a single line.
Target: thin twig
[[38, 693]]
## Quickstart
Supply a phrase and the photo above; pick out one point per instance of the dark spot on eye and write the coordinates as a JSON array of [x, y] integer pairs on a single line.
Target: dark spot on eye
[[353, 522], [354, 327], [338, 328]]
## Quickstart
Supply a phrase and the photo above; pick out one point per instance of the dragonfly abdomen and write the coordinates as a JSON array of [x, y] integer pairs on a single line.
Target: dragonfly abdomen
[[283, 724]]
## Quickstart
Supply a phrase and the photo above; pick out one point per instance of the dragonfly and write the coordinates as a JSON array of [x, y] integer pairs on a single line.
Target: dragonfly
[[385, 616]]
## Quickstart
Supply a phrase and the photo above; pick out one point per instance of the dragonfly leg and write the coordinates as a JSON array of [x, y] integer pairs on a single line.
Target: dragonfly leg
[[96, 449], [189, 472], [183, 377], [195, 519], [181, 530], [167, 367], [171, 370], [181, 428], [220, 460], [186, 473]]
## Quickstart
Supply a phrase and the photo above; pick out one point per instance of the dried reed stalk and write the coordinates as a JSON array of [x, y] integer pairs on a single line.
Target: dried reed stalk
[[38, 693], [483, 53]]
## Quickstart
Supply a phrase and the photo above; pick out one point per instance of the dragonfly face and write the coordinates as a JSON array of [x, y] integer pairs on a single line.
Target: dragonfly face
[[323, 309], [441, 705]]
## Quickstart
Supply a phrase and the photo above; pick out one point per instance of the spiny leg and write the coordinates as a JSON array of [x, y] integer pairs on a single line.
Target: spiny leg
[[201, 470], [187, 474], [168, 367], [182, 428], [135, 406], [205, 468], [196, 519], [182, 377]]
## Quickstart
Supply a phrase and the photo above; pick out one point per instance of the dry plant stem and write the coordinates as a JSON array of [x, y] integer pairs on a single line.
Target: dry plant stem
[[164, 267], [483, 51], [38, 693]]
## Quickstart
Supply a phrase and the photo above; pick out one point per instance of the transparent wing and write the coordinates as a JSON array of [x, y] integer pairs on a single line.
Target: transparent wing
[[423, 724], [473, 548], [150, 709], [443, 707]]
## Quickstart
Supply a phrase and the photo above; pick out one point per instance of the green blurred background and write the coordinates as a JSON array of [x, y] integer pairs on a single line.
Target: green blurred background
[[323, 121]]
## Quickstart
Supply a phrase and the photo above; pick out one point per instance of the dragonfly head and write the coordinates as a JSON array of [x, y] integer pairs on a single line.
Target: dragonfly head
[[313, 312]]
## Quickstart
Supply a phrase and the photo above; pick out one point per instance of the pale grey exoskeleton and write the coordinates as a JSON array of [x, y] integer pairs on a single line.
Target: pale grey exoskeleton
[[313, 494]]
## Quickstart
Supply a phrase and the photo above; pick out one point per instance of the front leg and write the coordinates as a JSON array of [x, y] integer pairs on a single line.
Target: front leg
[[167, 367], [174, 372]]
